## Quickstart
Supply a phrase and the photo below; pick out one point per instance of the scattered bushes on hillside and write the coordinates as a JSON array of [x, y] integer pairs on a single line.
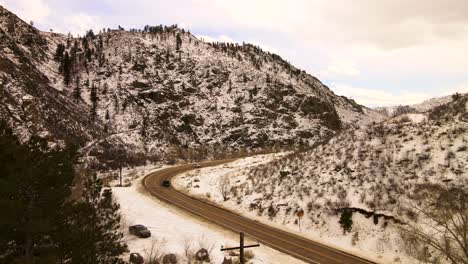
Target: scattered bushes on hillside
[[403, 109], [443, 224]]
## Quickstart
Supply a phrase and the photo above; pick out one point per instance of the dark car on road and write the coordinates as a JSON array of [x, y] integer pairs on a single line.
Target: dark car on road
[[166, 183], [140, 231]]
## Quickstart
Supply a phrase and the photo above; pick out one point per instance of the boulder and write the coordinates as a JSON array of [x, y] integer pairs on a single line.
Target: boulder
[[227, 261], [202, 255], [170, 259], [136, 258]]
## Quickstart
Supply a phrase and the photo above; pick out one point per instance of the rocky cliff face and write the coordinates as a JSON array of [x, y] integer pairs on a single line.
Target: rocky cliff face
[[159, 87]]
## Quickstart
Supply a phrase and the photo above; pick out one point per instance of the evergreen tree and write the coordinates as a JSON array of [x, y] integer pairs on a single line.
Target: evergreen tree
[[178, 41], [144, 125], [105, 88], [92, 230], [66, 68], [167, 56], [59, 52], [94, 100], [77, 90], [346, 220], [39, 221], [34, 183], [90, 34]]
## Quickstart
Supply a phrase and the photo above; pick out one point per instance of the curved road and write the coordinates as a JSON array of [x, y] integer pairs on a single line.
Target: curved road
[[298, 247]]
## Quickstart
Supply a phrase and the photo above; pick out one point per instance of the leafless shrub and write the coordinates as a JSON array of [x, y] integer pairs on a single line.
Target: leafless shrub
[[443, 226], [223, 187], [155, 252], [189, 253], [355, 238]]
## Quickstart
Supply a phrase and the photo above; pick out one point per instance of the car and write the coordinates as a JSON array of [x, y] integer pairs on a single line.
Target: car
[[197, 165], [140, 231], [166, 183]]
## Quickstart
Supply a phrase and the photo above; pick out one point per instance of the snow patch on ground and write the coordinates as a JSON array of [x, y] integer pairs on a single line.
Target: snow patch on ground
[[417, 118], [173, 226]]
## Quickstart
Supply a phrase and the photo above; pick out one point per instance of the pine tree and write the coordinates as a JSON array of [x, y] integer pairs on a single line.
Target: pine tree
[[77, 90], [167, 56], [66, 68], [94, 100], [144, 126], [346, 220], [178, 41], [39, 221], [105, 88], [59, 52], [92, 230], [34, 183], [90, 34]]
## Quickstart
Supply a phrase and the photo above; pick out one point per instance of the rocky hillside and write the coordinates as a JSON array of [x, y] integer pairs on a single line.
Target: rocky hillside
[[372, 172], [28, 98], [157, 87], [415, 108]]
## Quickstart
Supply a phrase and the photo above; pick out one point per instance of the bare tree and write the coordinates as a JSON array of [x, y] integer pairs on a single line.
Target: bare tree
[[443, 222], [223, 187], [155, 252], [188, 249]]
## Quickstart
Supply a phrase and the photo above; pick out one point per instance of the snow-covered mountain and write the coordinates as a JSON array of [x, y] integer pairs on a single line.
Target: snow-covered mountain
[[415, 108], [373, 171], [159, 87]]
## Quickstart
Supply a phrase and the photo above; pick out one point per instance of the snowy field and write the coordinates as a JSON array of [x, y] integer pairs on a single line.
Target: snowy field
[[172, 228]]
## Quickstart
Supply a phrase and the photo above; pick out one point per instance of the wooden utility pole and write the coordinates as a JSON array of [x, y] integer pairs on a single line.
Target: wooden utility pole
[[241, 248]]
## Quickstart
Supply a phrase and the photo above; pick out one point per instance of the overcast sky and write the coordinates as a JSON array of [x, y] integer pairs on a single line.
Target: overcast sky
[[382, 52]]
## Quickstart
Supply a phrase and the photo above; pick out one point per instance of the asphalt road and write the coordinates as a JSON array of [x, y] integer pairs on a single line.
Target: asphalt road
[[298, 247]]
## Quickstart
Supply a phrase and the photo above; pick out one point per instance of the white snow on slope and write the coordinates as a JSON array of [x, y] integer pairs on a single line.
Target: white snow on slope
[[204, 184], [174, 226]]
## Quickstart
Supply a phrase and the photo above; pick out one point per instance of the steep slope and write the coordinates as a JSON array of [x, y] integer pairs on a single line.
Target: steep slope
[[28, 101], [161, 89], [372, 172]]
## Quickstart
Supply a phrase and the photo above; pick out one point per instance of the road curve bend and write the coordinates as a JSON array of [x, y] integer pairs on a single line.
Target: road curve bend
[[298, 247]]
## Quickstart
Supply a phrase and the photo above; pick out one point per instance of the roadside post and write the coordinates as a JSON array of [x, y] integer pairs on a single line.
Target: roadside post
[[241, 248], [299, 215]]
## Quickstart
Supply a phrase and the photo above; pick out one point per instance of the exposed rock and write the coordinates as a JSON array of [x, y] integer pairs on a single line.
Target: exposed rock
[[202, 255], [170, 259]]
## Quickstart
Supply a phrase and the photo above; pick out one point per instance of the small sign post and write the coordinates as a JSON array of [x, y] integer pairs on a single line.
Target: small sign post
[[299, 215]]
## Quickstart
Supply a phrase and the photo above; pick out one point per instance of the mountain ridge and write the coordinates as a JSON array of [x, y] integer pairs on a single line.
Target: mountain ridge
[[160, 86]]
